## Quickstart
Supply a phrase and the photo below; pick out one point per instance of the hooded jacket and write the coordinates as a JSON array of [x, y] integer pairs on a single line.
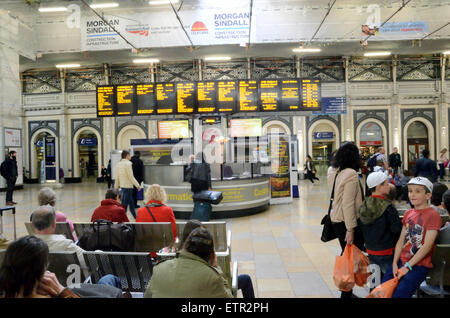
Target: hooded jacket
[[380, 224]]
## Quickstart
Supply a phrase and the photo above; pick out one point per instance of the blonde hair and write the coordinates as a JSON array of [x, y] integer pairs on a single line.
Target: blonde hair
[[156, 192]]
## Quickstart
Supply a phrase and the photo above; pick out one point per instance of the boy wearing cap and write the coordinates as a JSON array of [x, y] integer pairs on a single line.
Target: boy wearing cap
[[379, 222], [421, 225]]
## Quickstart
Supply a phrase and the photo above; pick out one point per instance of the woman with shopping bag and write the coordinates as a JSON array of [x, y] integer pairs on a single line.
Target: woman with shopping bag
[[348, 197]]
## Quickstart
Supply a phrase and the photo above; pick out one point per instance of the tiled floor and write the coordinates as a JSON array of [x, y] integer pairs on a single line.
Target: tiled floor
[[280, 248]]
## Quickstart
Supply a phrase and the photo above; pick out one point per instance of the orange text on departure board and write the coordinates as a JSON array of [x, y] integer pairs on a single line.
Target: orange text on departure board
[[105, 94], [269, 98], [161, 95], [184, 91], [310, 93], [289, 92], [143, 90], [225, 92], [246, 89], [205, 91]]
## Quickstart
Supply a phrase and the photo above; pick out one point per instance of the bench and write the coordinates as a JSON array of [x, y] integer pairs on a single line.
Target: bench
[[439, 276], [133, 269], [217, 229], [66, 267], [149, 237], [61, 228]]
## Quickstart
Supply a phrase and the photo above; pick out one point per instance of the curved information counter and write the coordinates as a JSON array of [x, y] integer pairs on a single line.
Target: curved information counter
[[244, 192]]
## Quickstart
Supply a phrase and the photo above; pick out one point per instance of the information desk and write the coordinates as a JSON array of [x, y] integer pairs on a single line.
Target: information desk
[[244, 192]]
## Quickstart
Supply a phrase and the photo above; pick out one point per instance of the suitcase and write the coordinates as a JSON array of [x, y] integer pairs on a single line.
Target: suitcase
[[202, 211], [13, 210]]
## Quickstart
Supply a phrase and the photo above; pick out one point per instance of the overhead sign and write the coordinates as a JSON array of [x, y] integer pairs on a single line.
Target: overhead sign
[[323, 135], [145, 99], [397, 31], [332, 106], [125, 100], [105, 101], [88, 142]]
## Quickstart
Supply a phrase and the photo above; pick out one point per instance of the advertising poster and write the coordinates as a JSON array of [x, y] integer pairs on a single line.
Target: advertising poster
[[280, 181], [12, 137]]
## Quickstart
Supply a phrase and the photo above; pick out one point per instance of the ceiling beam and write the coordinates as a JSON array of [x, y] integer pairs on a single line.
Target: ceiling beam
[[435, 31]]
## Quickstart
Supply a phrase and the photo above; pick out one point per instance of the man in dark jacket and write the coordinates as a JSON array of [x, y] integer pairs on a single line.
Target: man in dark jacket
[[138, 172], [426, 167], [198, 174], [395, 161], [9, 172], [379, 222]]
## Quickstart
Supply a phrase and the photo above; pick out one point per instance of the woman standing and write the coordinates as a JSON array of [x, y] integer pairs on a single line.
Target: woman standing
[[348, 197], [199, 175], [442, 160], [310, 170]]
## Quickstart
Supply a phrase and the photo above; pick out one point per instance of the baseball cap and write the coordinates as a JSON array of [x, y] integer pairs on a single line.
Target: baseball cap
[[422, 181], [376, 178]]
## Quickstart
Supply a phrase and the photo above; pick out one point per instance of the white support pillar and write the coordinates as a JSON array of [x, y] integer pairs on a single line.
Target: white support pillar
[[395, 122], [442, 109], [347, 130]]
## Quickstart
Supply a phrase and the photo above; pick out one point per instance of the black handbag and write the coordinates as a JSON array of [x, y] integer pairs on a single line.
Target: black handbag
[[106, 236], [328, 233], [211, 197]]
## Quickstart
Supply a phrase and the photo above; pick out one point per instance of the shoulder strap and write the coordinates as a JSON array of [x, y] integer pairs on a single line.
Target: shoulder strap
[[332, 194], [152, 205]]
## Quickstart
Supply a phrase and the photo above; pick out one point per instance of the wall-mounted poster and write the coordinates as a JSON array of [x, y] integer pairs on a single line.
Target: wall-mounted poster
[[12, 137]]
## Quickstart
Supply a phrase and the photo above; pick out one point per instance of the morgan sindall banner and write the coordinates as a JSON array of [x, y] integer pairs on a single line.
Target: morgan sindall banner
[[162, 29]]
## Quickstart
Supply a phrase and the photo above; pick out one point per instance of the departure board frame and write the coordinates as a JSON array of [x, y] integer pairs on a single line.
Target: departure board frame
[[113, 106], [237, 102], [154, 99], [133, 101]]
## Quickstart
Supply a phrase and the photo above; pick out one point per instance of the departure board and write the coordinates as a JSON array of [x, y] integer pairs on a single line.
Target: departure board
[[269, 95], [185, 97], [125, 100], [248, 96], [226, 96], [166, 98], [311, 97], [105, 101], [206, 97], [290, 94], [145, 99]]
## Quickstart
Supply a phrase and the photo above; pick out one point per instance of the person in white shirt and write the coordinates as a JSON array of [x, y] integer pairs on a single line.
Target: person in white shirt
[[44, 223], [125, 181]]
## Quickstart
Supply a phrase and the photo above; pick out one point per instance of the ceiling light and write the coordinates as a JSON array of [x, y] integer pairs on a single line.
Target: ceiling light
[[137, 61], [446, 53], [377, 53], [104, 5], [158, 2], [67, 65], [54, 9], [305, 50], [217, 58]]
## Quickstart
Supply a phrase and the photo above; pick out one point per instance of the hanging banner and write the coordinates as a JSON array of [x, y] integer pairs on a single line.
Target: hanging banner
[[397, 31], [162, 29]]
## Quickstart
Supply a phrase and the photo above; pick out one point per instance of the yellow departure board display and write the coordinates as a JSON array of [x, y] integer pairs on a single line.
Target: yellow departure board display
[[206, 97], [166, 98], [290, 94], [105, 101], [269, 95], [185, 97], [125, 100], [226, 96], [248, 96], [145, 99], [311, 97]]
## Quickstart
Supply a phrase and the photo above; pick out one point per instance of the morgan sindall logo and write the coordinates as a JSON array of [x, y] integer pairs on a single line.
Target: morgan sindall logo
[[74, 19]]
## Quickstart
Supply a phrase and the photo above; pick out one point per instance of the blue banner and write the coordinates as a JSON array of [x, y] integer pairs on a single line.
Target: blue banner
[[323, 135], [88, 142], [333, 106]]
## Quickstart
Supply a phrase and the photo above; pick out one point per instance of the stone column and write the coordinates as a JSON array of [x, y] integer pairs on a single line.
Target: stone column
[[442, 109], [347, 130], [10, 97]]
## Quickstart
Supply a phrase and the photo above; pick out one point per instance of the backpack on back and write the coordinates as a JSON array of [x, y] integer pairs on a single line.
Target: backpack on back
[[372, 162], [4, 170]]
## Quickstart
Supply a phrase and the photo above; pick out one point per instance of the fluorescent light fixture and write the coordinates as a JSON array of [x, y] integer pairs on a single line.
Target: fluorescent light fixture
[[306, 50], [446, 53], [217, 58], [53, 9], [377, 53], [104, 5], [158, 2], [137, 61], [67, 65]]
